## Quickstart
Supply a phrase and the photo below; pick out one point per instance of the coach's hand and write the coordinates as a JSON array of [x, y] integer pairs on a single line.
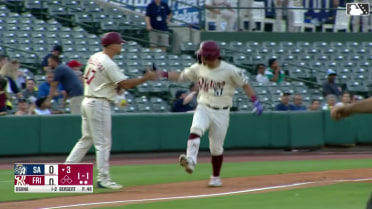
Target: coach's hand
[[337, 113], [151, 75]]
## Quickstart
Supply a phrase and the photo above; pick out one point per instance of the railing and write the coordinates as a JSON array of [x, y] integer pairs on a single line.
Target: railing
[[202, 10], [32, 68]]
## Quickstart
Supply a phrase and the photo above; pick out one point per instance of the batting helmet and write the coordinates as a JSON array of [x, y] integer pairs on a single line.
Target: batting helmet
[[111, 38], [209, 50]]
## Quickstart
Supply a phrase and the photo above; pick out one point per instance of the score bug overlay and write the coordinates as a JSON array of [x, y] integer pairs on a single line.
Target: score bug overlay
[[53, 178]]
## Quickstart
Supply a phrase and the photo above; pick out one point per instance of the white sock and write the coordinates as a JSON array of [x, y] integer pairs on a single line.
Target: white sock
[[193, 149]]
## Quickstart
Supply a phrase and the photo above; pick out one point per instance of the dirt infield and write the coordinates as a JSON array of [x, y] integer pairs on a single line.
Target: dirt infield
[[146, 193]]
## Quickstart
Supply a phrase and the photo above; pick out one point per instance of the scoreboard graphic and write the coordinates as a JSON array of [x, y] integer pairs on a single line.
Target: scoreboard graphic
[[53, 178]]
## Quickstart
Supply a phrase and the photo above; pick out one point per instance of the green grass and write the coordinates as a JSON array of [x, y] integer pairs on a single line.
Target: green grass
[[338, 196], [134, 175]]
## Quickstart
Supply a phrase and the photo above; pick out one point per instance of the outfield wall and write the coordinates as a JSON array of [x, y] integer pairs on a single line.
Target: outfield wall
[[293, 37], [23, 135]]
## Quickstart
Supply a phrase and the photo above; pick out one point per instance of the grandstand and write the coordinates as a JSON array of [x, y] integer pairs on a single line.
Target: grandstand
[[29, 29]]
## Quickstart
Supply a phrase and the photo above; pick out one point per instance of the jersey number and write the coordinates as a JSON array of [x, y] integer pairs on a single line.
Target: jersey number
[[89, 76]]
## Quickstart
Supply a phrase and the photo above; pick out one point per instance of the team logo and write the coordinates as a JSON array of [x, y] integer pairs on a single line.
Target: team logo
[[21, 180], [357, 9], [20, 170]]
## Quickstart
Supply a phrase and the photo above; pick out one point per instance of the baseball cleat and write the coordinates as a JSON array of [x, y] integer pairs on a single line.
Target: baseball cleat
[[109, 185], [215, 181], [187, 164]]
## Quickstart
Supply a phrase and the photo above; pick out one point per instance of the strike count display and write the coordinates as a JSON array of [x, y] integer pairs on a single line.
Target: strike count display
[[53, 178]]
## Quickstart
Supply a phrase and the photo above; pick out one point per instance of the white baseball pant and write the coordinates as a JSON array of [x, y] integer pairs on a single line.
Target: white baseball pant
[[96, 130], [75, 104], [229, 17], [217, 121]]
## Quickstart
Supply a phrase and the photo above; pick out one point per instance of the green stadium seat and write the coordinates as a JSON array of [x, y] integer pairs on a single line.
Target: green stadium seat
[[337, 45], [188, 47]]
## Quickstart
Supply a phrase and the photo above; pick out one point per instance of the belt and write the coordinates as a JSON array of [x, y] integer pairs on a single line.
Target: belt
[[98, 98], [218, 108]]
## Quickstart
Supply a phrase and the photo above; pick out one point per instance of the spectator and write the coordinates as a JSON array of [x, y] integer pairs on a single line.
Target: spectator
[[20, 78], [57, 51], [120, 100], [23, 108], [330, 87], [3, 108], [41, 107], [158, 16], [345, 99], [70, 83], [315, 105], [3, 60], [76, 67], [356, 98], [29, 92], [194, 90], [220, 15], [297, 103], [261, 76], [274, 73], [9, 71], [182, 102], [44, 89], [331, 102], [284, 104]]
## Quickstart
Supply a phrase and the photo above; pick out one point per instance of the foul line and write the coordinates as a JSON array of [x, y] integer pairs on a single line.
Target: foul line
[[211, 195]]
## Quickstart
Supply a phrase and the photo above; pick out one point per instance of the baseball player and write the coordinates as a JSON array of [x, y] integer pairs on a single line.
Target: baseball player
[[344, 111], [217, 81], [102, 77]]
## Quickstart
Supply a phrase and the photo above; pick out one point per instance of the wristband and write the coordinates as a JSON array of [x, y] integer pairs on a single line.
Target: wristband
[[164, 74], [253, 98]]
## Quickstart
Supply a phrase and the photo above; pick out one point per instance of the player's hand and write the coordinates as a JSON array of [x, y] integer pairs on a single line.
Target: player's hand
[[337, 113], [151, 75], [149, 28], [258, 108]]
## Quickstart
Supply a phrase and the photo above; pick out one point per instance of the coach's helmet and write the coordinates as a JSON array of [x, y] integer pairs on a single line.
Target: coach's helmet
[[111, 38], [209, 50]]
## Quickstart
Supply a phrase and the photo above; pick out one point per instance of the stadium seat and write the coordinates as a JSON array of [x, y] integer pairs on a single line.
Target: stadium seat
[[130, 108], [356, 86], [145, 107], [107, 26], [346, 51], [160, 108], [337, 45], [298, 73], [236, 46], [241, 59], [320, 44], [244, 107], [188, 47], [252, 45], [362, 71], [261, 91], [144, 88], [329, 51], [321, 78], [303, 44]]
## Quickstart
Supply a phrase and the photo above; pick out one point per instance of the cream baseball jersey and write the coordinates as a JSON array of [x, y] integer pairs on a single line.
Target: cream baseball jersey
[[216, 86], [101, 77]]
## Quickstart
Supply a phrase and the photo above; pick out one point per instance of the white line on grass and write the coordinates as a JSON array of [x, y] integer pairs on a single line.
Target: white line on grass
[[210, 195]]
